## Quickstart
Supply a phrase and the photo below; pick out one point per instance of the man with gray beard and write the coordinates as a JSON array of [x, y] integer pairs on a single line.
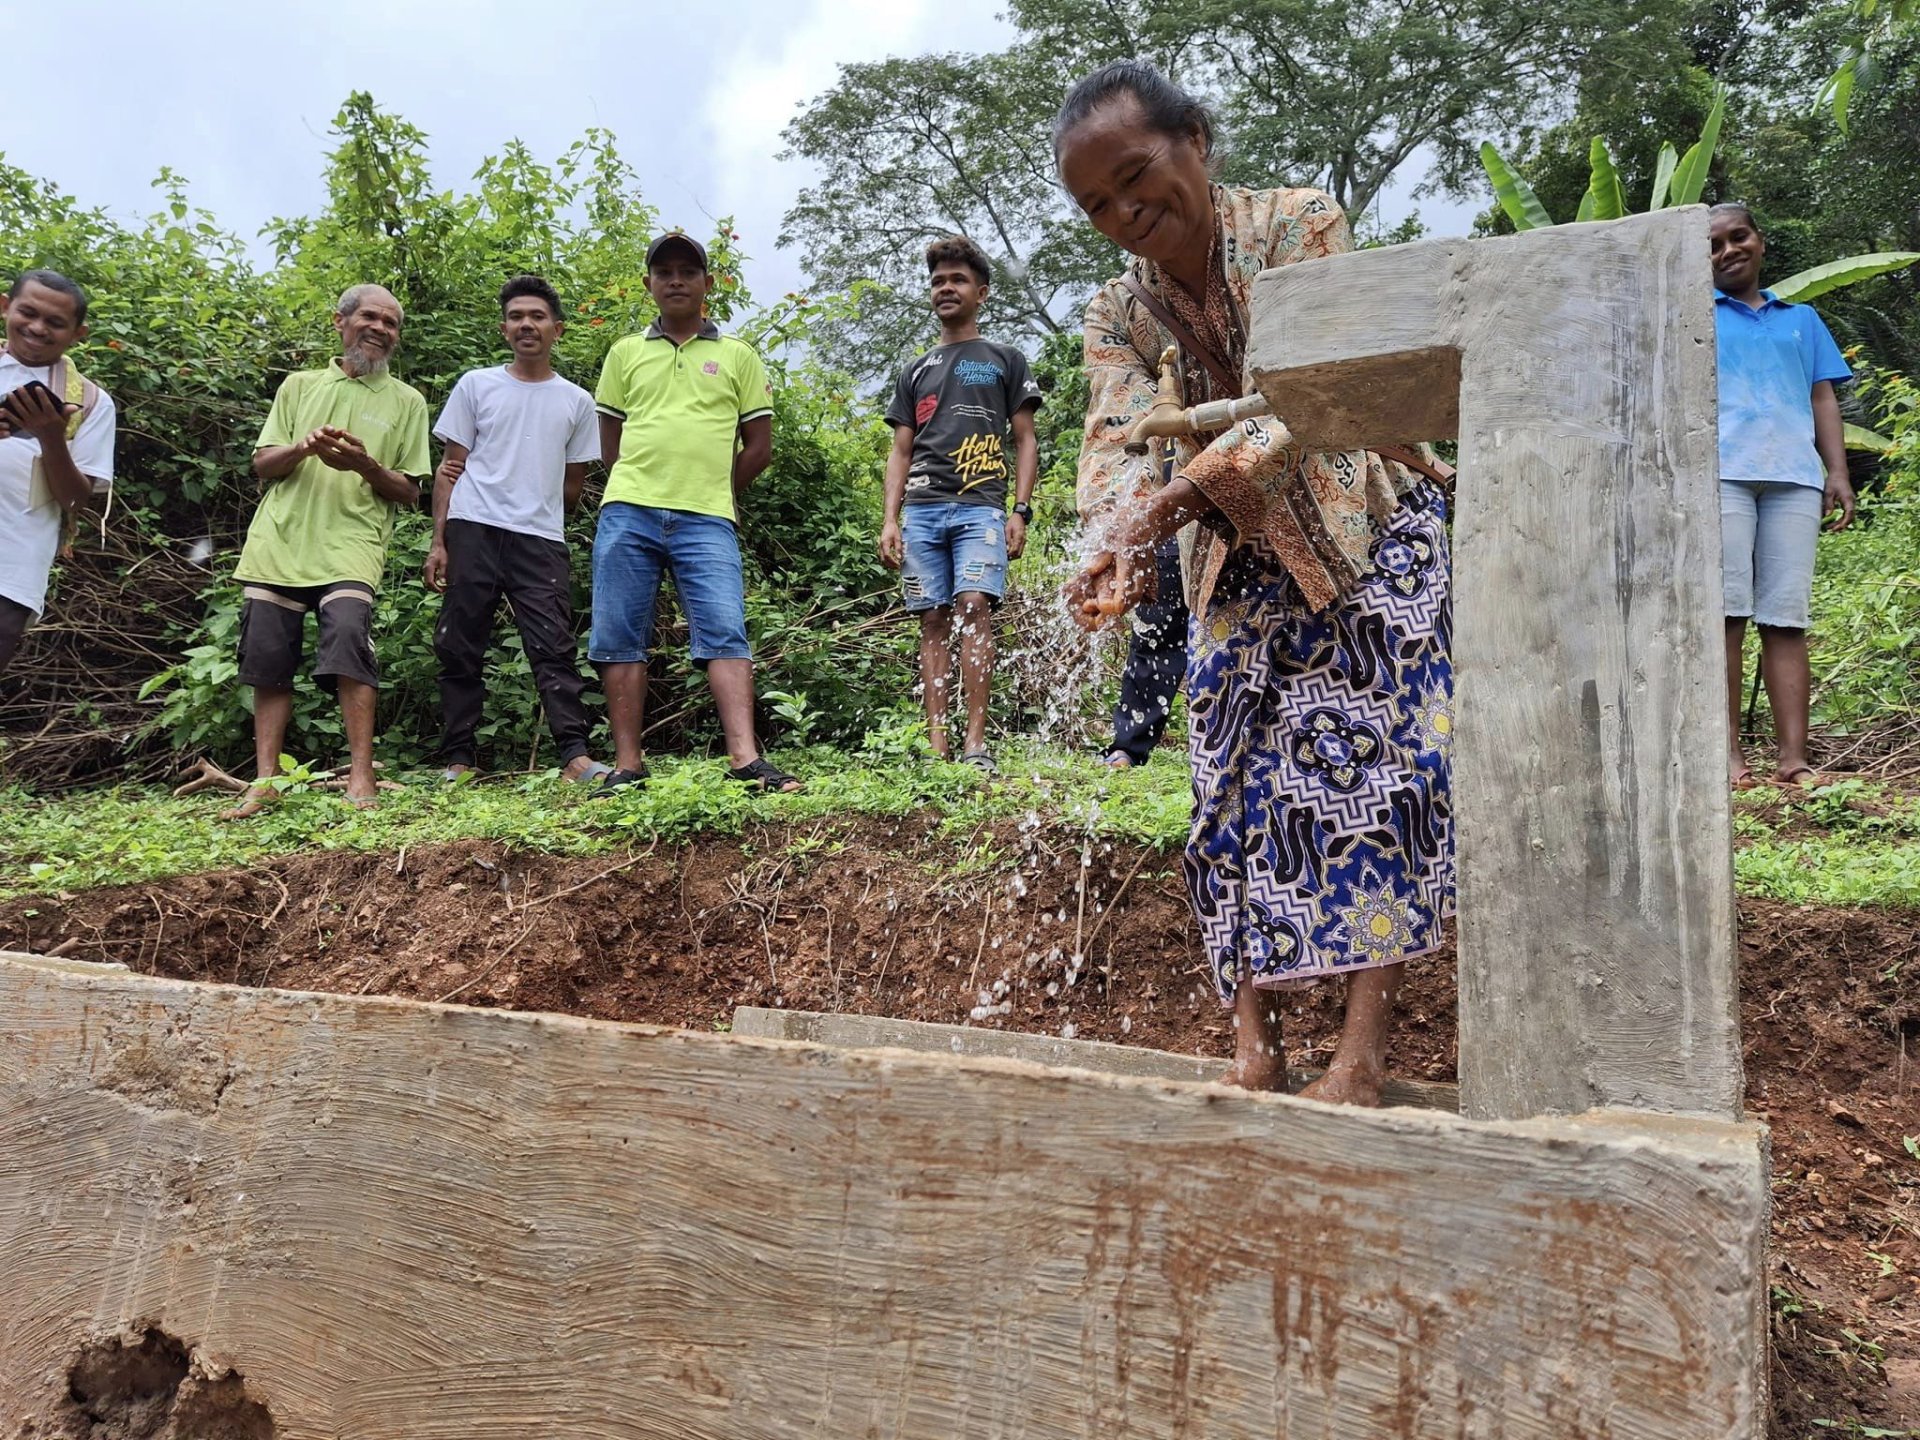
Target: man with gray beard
[[340, 451]]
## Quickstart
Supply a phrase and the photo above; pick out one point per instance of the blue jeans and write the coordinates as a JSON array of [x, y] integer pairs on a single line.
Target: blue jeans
[[952, 549], [633, 546]]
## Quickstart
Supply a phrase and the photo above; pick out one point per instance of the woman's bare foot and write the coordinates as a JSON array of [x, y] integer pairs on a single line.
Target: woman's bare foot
[[1738, 767], [1359, 1065], [1257, 1069], [256, 798], [1802, 775], [1347, 1085], [1259, 1051]]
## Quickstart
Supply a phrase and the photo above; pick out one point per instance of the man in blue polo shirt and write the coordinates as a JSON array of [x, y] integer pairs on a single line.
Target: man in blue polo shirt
[[1783, 466], [686, 424]]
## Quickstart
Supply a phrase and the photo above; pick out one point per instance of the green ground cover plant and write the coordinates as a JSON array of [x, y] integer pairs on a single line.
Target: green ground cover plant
[[1850, 844]]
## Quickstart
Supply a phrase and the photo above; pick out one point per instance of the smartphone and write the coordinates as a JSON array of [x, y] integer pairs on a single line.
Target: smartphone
[[29, 387]]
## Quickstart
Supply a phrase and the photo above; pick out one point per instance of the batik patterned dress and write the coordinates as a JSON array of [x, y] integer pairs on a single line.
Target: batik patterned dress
[[1320, 696]]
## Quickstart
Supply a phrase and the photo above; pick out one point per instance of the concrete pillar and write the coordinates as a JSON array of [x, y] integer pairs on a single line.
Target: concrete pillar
[[1576, 367]]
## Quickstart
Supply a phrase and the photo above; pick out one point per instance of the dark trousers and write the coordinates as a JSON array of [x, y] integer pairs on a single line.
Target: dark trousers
[[1156, 662], [484, 563], [14, 619]]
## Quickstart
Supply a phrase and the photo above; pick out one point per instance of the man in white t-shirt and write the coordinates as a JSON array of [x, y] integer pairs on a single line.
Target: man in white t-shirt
[[518, 442], [56, 441]]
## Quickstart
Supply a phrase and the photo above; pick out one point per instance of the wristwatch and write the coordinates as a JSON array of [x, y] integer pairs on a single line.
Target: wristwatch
[[1023, 510]]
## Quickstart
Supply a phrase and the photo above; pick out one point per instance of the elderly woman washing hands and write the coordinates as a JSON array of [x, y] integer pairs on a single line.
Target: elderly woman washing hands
[[1320, 706]]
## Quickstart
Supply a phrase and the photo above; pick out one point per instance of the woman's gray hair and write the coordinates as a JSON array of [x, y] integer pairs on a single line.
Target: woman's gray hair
[[351, 297], [1167, 108]]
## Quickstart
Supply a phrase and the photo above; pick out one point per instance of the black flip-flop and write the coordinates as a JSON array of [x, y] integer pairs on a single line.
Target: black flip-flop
[[621, 779], [765, 777]]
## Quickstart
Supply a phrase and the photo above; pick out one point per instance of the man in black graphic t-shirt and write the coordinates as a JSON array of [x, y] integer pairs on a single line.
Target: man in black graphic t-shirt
[[951, 411]]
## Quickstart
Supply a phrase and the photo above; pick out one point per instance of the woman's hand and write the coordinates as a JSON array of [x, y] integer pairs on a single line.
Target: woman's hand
[[1838, 496], [1111, 583]]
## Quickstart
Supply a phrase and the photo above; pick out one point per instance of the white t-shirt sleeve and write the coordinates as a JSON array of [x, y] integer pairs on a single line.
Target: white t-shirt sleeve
[[456, 422], [584, 443], [92, 448]]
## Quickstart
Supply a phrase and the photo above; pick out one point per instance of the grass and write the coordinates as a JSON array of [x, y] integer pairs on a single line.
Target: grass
[[131, 835], [1849, 844]]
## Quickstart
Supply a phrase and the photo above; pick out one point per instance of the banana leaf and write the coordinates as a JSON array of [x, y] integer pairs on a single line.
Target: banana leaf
[[1663, 174], [1608, 201], [1858, 437], [1690, 175], [1809, 284], [1515, 195]]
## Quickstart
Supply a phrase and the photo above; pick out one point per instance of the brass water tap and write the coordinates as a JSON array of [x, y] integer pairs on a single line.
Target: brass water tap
[[1167, 415]]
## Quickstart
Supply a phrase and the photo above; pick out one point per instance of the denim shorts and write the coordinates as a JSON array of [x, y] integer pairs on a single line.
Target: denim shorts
[[633, 546], [1768, 533], [951, 550]]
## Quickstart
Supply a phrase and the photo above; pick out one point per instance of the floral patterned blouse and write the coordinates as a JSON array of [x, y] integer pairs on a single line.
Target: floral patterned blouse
[[1316, 513]]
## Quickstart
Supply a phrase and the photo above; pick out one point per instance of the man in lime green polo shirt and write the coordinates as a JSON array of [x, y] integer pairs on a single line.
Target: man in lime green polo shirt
[[689, 414], [337, 456]]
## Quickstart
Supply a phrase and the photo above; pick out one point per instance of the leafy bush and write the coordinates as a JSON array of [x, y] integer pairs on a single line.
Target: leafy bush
[[192, 340]]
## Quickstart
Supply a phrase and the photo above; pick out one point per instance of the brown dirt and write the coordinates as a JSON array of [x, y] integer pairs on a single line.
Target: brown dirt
[[884, 918]]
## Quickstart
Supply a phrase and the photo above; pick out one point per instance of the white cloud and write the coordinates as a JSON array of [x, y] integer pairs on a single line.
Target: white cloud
[[757, 92], [239, 101]]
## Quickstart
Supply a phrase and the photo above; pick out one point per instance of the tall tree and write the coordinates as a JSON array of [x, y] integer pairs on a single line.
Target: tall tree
[[1342, 94], [910, 150]]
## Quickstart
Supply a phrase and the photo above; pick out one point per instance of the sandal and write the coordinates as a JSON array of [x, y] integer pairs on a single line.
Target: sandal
[[621, 779], [454, 774], [765, 777], [980, 760], [1803, 777], [595, 773], [1117, 760]]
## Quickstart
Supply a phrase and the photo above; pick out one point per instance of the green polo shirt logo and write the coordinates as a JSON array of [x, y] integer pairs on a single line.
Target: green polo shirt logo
[[680, 408]]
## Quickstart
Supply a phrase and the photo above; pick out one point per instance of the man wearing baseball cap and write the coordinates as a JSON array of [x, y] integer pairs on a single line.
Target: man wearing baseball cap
[[686, 424]]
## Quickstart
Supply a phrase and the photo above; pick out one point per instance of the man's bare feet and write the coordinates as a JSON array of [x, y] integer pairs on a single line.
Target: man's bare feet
[[256, 798], [1347, 1085]]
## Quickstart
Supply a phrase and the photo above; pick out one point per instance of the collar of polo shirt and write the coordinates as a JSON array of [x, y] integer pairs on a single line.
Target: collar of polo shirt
[[707, 331]]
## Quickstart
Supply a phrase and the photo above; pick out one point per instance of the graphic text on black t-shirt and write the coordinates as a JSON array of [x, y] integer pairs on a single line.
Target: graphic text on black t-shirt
[[959, 400]]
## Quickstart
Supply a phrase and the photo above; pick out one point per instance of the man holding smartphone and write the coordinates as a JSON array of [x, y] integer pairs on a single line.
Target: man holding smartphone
[[56, 441], [339, 453]]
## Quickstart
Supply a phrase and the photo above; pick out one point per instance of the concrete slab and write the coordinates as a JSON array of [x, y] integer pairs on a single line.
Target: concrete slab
[[1590, 781], [409, 1222], [869, 1032]]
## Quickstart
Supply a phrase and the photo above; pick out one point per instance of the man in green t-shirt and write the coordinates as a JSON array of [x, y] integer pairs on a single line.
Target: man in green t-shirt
[[686, 424], [338, 454]]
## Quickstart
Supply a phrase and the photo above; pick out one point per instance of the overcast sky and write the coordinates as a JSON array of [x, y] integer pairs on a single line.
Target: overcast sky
[[237, 95]]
